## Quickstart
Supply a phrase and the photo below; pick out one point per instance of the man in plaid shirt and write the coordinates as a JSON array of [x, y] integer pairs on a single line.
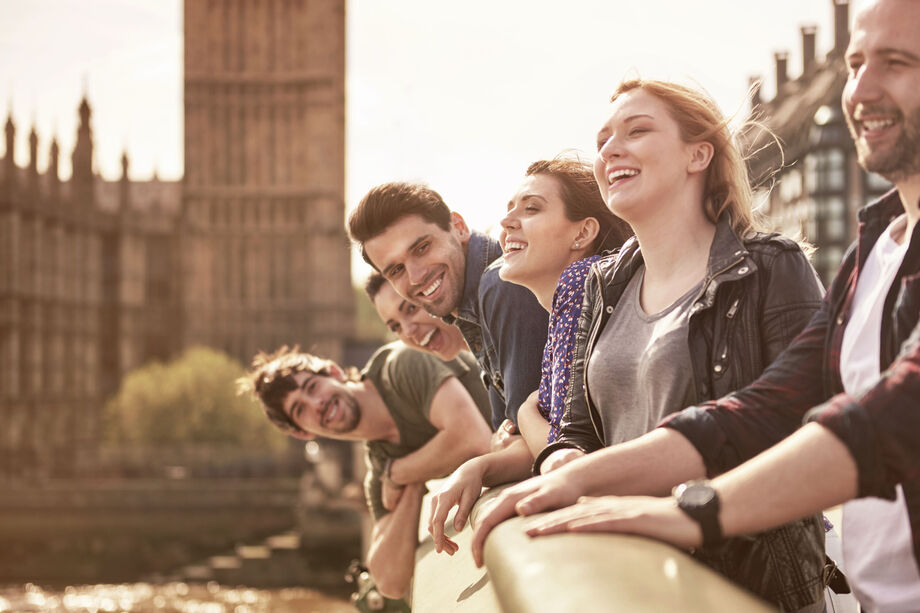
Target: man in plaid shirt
[[853, 375]]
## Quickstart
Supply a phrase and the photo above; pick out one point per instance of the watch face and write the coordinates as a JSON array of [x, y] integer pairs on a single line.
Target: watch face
[[697, 494]]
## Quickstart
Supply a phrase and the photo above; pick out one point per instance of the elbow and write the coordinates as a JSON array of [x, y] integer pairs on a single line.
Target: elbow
[[391, 581]]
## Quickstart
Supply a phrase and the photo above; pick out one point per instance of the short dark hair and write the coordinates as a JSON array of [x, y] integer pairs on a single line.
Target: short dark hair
[[583, 199], [386, 204], [373, 284], [271, 378]]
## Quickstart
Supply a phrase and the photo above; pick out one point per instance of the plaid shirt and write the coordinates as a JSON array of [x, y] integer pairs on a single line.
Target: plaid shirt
[[881, 428]]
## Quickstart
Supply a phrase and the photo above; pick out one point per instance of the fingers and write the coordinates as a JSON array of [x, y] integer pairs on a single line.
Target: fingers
[[450, 547], [499, 510], [467, 499], [541, 500], [440, 507], [559, 521], [601, 523]]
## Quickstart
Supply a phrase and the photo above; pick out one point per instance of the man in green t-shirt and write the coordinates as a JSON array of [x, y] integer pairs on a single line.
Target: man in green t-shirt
[[419, 417]]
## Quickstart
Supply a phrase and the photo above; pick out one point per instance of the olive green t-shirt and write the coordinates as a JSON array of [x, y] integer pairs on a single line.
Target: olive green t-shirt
[[407, 381]]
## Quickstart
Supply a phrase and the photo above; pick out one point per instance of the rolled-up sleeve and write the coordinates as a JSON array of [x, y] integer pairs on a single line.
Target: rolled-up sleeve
[[881, 428]]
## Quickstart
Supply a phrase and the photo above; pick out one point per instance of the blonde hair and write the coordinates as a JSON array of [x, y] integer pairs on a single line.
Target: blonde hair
[[727, 188]]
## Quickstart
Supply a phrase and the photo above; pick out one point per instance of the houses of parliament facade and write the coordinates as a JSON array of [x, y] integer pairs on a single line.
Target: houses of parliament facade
[[248, 251]]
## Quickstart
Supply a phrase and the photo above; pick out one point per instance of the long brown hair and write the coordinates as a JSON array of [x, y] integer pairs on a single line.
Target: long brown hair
[[727, 188]]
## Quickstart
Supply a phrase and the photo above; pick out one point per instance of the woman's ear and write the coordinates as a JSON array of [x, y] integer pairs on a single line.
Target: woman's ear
[[700, 156], [586, 233]]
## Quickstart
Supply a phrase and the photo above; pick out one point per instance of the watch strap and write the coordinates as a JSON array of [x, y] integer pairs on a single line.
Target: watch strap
[[706, 514]]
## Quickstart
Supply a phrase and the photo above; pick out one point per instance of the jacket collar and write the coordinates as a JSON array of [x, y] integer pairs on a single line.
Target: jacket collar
[[727, 249], [883, 210], [873, 219], [481, 250]]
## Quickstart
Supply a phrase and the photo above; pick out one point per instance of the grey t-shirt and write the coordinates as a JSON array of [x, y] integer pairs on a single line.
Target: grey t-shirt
[[640, 368], [407, 381]]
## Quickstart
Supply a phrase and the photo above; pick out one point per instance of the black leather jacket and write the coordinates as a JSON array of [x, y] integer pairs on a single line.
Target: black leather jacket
[[758, 294]]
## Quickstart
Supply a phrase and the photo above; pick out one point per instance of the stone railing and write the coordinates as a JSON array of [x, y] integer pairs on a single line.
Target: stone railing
[[567, 572]]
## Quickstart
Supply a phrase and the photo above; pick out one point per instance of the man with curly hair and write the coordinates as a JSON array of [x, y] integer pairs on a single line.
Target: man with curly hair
[[418, 416]]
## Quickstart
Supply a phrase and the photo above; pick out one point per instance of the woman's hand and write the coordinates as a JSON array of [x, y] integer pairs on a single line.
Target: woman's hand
[[560, 458], [659, 518], [526, 498], [461, 490]]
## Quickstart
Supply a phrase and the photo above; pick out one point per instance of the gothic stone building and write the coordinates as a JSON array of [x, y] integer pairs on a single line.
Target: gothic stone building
[[247, 252], [818, 184]]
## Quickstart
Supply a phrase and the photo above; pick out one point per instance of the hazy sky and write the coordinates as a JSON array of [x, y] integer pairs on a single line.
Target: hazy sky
[[460, 95]]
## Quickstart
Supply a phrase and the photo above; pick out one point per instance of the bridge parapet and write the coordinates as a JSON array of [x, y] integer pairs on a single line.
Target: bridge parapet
[[567, 572]]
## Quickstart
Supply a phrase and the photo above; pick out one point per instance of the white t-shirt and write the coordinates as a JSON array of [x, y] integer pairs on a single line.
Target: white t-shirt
[[878, 554]]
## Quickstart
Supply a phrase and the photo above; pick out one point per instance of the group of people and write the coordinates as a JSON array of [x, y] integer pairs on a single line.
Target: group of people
[[641, 355]]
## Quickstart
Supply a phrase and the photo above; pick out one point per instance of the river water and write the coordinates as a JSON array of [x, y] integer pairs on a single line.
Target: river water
[[167, 598]]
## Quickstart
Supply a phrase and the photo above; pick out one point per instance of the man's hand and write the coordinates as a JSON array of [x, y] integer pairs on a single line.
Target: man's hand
[[462, 490], [506, 434], [391, 493], [659, 518], [560, 458], [534, 495]]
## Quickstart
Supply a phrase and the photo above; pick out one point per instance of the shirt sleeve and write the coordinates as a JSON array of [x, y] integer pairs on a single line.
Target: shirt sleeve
[[881, 428], [415, 376], [514, 324]]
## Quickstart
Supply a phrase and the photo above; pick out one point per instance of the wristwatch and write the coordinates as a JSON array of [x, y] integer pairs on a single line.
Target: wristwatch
[[700, 501]]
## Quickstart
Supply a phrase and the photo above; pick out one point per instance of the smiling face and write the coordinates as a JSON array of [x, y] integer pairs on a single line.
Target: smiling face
[[322, 405], [415, 327], [537, 237], [425, 263], [641, 157], [881, 98]]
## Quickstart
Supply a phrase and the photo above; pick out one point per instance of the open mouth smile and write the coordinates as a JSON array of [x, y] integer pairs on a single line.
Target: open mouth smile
[[431, 288], [330, 411], [620, 175], [427, 339]]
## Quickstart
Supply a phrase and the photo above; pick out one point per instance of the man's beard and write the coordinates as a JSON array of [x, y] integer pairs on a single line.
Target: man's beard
[[900, 160], [350, 406]]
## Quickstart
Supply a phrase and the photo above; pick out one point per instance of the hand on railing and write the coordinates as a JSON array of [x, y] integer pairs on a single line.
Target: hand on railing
[[461, 490], [543, 493], [658, 518]]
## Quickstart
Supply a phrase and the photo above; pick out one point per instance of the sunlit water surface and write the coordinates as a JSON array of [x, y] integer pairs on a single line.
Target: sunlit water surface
[[167, 598]]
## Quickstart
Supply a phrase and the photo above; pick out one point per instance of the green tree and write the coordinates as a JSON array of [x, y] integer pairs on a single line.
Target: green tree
[[191, 399], [368, 326]]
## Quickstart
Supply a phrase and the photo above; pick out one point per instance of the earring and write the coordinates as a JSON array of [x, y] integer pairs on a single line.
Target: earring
[[577, 244]]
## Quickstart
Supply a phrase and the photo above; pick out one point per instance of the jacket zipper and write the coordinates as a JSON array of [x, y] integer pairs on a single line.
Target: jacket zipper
[[592, 338]]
